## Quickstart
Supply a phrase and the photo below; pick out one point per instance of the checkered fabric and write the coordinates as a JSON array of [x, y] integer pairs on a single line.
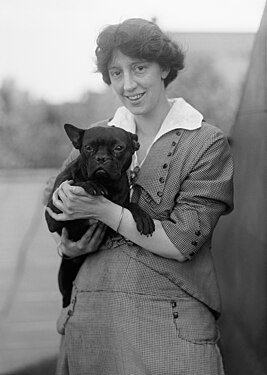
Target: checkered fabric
[[134, 312], [126, 319], [186, 182]]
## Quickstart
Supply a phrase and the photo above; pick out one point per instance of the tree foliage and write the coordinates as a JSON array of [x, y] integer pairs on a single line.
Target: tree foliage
[[32, 134]]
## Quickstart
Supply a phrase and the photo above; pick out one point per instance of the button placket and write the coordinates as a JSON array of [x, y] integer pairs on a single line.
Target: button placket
[[70, 311], [162, 178], [72, 305], [165, 166], [194, 242], [175, 142], [170, 145], [175, 314]]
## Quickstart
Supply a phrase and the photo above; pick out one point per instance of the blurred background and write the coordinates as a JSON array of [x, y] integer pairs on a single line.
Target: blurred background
[[47, 78]]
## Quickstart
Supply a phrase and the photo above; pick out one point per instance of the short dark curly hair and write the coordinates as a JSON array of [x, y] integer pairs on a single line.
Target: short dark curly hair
[[136, 37]]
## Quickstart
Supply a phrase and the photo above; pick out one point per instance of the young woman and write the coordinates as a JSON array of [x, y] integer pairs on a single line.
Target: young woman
[[148, 305]]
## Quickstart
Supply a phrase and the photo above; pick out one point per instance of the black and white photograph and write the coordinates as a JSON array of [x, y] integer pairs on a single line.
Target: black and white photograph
[[133, 177]]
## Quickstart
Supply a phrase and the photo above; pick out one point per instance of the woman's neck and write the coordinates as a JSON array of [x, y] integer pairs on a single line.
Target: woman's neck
[[148, 125]]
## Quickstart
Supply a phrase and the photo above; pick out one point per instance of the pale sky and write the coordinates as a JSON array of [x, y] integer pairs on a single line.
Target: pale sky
[[47, 46]]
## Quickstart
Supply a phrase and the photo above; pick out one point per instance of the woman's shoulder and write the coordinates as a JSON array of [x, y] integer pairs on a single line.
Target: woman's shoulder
[[206, 133], [206, 137], [210, 129]]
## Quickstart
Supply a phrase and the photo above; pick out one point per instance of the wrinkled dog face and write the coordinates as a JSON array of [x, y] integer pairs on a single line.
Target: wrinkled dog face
[[106, 152]]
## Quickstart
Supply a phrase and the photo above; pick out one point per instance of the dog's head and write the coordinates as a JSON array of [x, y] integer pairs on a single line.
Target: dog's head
[[105, 151]]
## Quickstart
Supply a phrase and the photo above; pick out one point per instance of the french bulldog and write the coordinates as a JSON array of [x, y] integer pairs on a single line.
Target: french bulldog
[[101, 169]]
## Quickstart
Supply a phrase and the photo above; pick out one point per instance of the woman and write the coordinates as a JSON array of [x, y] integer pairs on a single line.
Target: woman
[[148, 305]]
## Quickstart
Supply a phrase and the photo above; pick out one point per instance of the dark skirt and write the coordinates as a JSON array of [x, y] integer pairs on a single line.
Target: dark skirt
[[127, 319]]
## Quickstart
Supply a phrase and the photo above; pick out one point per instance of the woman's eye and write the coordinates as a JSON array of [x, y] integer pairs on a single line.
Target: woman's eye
[[140, 68], [115, 73]]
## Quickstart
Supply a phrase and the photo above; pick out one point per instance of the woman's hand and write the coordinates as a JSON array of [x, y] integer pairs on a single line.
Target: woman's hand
[[73, 202], [89, 243]]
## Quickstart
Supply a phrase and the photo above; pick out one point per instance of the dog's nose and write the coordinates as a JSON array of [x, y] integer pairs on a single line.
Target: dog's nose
[[101, 159]]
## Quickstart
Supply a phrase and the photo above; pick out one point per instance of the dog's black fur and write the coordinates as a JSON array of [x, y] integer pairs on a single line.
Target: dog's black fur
[[105, 155]]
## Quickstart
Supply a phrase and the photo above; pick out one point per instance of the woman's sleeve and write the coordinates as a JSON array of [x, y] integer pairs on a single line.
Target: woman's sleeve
[[50, 183], [205, 195]]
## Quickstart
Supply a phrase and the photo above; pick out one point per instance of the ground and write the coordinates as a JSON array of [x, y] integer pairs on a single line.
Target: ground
[[30, 300]]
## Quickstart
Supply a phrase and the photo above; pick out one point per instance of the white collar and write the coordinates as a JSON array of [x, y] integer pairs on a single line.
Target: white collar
[[180, 116]]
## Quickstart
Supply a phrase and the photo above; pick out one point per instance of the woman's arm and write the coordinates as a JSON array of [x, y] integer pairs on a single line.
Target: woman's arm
[[159, 243], [204, 196], [75, 203]]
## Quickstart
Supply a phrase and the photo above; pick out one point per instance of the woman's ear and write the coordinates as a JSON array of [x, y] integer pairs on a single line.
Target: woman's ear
[[164, 72]]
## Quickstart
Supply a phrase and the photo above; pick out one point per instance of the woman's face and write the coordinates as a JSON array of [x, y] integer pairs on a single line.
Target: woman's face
[[138, 83]]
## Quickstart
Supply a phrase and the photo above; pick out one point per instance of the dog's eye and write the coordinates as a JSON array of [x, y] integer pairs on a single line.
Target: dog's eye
[[118, 148], [88, 148]]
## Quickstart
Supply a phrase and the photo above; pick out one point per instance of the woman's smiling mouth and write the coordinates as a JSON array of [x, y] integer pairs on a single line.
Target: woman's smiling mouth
[[134, 98]]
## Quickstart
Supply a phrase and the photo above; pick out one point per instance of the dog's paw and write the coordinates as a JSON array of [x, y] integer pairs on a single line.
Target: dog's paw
[[144, 223], [93, 188]]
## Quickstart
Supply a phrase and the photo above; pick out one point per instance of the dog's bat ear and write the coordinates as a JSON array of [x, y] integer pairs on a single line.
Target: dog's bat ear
[[75, 135], [135, 143]]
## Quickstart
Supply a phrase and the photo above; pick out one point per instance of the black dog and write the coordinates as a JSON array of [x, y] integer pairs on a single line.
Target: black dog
[[105, 155]]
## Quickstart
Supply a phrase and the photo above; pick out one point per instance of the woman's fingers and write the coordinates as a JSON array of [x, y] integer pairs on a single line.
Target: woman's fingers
[[71, 201], [62, 199], [67, 247], [92, 238], [64, 235], [97, 237], [67, 189], [101, 237], [89, 243], [87, 237], [70, 248], [58, 217], [62, 192], [78, 190]]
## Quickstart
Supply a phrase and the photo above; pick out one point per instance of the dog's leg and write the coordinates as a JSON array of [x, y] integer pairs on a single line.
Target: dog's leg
[[67, 273], [144, 222]]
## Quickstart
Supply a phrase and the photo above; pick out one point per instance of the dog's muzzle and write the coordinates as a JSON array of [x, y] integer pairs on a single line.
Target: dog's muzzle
[[108, 168]]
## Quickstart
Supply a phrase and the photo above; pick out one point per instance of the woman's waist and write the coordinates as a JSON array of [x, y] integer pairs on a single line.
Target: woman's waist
[[118, 269], [126, 267]]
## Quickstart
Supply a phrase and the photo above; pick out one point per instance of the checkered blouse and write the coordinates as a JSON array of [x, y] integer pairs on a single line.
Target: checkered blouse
[[185, 182]]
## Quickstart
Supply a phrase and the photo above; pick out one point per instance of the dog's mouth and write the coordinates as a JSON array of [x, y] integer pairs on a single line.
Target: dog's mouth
[[101, 172]]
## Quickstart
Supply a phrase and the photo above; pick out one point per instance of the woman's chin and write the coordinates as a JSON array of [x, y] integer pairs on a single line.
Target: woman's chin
[[135, 109]]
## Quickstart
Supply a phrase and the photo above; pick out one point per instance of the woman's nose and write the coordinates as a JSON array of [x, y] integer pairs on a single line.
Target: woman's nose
[[129, 83]]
